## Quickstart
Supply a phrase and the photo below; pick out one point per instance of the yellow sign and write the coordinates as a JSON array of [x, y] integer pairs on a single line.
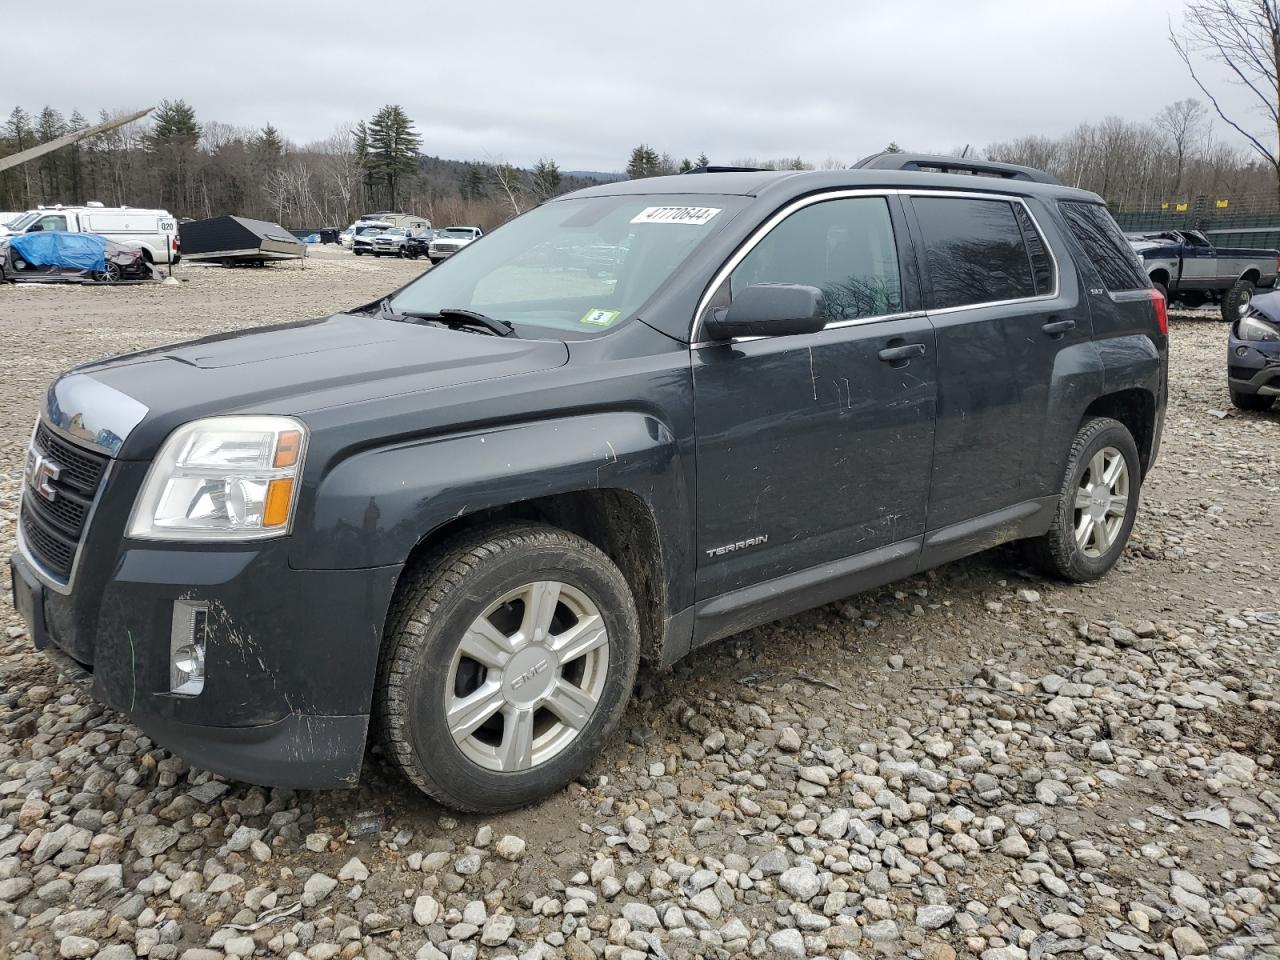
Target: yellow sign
[[1221, 204], [1164, 206], [1181, 208]]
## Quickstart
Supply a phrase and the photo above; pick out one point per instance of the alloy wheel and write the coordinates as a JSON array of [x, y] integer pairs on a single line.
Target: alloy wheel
[[1102, 502], [527, 676]]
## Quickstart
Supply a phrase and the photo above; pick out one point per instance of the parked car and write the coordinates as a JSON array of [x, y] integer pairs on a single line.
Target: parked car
[[390, 243], [461, 515], [344, 238], [154, 232], [1253, 354], [419, 244], [77, 257], [363, 234], [450, 240], [1191, 271]]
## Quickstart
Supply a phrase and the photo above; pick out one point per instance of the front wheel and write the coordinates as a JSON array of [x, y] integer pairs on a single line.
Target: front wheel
[[1097, 504], [1237, 300], [1252, 402], [507, 664]]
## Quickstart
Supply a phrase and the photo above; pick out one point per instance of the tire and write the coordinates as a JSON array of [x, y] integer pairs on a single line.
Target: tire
[[1061, 552], [1236, 300], [110, 274], [426, 673], [358, 253], [1253, 402]]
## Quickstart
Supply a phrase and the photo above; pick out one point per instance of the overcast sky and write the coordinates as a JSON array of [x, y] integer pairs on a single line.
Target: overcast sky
[[583, 82]]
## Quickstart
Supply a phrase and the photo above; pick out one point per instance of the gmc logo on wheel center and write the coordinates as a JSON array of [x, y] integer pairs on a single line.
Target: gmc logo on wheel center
[[41, 473]]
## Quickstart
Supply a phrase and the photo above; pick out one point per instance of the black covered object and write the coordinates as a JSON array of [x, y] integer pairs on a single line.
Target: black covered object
[[238, 238]]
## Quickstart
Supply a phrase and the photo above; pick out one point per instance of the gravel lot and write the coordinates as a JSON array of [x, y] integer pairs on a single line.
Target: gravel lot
[[974, 762]]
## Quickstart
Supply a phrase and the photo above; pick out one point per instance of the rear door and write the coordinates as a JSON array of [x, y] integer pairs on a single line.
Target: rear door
[[816, 447], [993, 294]]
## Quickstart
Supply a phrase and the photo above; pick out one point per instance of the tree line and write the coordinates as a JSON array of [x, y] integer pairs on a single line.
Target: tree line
[[1177, 155], [203, 168]]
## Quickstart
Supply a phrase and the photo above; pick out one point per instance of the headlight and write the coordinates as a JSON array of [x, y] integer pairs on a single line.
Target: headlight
[[1255, 328], [223, 478]]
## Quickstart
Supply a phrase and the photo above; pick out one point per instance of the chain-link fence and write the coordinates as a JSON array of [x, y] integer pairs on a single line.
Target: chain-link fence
[[1243, 220]]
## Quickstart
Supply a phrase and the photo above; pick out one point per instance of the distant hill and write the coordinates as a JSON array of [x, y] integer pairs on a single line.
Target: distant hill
[[597, 176]]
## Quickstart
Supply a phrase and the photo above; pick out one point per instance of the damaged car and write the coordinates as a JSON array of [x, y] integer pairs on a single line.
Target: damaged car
[[1253, 355], [458, 518], [70, 258]]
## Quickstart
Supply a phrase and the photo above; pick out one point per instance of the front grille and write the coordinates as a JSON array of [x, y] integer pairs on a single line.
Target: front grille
[[81, 468], [53, 529]]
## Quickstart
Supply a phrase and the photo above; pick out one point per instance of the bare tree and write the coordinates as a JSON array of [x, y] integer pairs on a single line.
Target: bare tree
[[1242, 36], [511, 181], [1180, 122]]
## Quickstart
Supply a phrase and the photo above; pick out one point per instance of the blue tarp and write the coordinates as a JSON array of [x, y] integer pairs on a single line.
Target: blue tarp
[[79, 251]]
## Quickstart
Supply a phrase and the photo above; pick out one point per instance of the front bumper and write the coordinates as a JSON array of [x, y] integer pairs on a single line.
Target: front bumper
[[1253, 366], [291, 655]]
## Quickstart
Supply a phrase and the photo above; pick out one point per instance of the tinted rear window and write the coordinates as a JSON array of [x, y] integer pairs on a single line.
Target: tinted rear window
[[975, 251], [1104, 245]]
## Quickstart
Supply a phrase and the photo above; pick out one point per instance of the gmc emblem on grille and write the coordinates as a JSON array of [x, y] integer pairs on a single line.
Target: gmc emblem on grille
[[41, 472]]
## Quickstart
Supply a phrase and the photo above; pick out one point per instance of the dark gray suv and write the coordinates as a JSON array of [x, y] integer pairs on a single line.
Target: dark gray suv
[[464, 514]]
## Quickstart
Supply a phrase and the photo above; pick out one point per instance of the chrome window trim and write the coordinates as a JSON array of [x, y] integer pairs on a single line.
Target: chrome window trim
[[765, 228], [838, 324]]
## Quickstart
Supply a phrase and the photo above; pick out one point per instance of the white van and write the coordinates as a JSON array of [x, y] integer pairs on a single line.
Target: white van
[[154, 232]]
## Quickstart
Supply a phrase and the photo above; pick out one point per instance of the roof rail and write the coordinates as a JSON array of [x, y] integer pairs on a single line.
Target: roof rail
[[925, 163], [711, 168]]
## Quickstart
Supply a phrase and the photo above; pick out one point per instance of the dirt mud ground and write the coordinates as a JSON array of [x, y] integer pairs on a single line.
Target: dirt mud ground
[[973, 762]]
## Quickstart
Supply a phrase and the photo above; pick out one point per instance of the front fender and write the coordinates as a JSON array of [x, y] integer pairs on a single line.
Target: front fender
[[374, 507]]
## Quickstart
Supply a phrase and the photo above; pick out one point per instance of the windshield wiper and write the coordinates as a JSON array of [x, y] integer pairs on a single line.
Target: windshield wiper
[[451, 317]]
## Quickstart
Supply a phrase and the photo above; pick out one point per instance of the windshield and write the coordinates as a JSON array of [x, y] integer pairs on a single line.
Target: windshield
[[581, 266], [458, 232], [19, 222]]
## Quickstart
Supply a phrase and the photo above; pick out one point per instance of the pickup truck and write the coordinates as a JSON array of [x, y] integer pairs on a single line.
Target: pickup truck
[[1191, 271]]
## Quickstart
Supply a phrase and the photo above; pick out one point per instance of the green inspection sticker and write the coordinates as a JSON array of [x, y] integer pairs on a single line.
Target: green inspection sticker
[[600, 318]]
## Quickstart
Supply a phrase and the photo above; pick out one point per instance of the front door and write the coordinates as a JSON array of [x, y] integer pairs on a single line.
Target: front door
[[816, 447]]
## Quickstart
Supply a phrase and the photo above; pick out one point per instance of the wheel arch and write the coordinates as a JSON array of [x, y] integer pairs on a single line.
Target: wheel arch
[[616, 521], [1161, 276], [1253, 275], [1136, 409]]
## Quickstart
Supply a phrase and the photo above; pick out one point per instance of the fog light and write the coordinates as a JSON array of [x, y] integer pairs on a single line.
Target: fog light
[[1242, 351], [186, 647]]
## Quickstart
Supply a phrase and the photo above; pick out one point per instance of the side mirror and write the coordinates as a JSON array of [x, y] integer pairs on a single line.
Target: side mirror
[[769, 310]]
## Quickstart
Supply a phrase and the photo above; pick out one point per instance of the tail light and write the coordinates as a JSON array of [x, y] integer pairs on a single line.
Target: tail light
[[174, 245], [1162, 311]]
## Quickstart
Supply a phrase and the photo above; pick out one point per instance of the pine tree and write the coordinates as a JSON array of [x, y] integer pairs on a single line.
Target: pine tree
[[77, 122], [473, 184], [644, 162], [893, 147], [175, 124], [268, 143], [49, 126], [686, 165], [703, 160], [546, 178], [173, 140], [393, 149]]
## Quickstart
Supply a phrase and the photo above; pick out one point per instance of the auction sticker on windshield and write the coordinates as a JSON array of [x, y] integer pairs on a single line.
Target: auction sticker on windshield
[[695, 216], [600, 318]]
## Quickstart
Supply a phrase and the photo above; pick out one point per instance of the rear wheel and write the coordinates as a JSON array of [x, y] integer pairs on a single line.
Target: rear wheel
[[1097, 504], [111, 272], [1251, 401], [508, 662], [1237, 300], [358, 252]]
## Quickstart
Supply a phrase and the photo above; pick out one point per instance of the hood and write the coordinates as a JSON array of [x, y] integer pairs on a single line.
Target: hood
[[287, 369]]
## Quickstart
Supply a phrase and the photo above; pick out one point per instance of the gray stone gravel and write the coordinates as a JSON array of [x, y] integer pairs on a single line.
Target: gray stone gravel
[[975, 762]]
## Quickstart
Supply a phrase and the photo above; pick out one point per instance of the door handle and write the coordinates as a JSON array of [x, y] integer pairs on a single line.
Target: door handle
[[904, 352], [1056, 328]]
